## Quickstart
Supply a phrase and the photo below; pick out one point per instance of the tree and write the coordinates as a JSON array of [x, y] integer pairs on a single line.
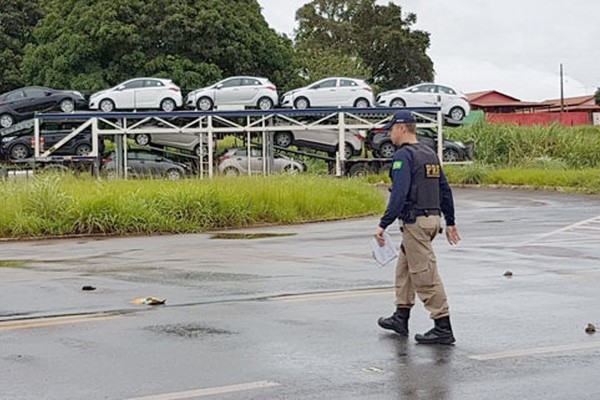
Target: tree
[[92, 44], [318, 64], [597, 96], [17, 20], [378, 35]]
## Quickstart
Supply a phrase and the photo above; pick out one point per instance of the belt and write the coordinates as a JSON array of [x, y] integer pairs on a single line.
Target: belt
[[427, 212]]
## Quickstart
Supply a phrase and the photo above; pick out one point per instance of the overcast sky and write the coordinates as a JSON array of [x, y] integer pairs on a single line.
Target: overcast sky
[[514, 46]]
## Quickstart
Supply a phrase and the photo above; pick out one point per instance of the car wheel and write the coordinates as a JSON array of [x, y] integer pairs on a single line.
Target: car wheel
[[83, 150], [397, 103], [6, 120], [450, 155], [291, 169], [348, 151], [301, 103], [231, 171], [173, 174], [67, 106], [361, 103], [168, 105], [387, 150], [360, 170], [283, 139], [205, 104], [457, 113], [265, 103], [107, 105], [19, 152], [142, 139]]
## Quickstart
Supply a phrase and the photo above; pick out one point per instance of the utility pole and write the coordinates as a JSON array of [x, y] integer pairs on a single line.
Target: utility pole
[[562, 90]]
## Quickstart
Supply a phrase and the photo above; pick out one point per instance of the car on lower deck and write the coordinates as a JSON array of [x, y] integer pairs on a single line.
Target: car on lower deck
[[144, 164], [325, 140], [235, 162], [20, 146], [380, 144]]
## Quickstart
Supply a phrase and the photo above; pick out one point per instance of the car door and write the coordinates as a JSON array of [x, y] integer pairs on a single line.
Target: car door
[[323, 94], [424, 96], [256, 161], [38, 100], [150, 94], [17, 102], [124, 95], [348, 92], [447, 97], [228, 92], [427, 137], [250, 91]]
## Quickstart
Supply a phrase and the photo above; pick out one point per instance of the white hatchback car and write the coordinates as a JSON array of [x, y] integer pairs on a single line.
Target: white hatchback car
[[331, 92], [235, 162], [139, 93], [454, 104], [237, 91]]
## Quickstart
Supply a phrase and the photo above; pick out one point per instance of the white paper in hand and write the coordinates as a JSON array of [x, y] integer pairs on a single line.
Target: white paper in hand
[[386, 253]]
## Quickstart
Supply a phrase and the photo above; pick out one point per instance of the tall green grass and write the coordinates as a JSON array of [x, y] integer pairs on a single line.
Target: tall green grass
[[511, 145], [63, 205]]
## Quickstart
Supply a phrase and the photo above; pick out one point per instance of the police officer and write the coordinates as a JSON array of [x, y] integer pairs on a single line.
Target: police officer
[[419, 194]]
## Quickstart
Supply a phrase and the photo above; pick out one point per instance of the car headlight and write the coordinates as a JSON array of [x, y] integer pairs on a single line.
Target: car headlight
[[8, 139]]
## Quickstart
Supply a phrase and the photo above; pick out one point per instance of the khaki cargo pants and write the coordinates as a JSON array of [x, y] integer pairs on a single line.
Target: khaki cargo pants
[[417, 269]]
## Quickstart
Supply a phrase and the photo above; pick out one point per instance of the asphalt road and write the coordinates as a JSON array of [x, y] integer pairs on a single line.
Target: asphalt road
[[294, 317]]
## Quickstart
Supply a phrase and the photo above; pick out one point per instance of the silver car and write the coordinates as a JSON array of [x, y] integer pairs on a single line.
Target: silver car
[[322, 140], [138, 93], [331, 92], [237, 91], [181, 141], [235, 162]]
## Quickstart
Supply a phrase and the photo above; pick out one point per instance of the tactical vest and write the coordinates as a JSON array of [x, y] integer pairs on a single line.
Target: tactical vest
[[424, 194]]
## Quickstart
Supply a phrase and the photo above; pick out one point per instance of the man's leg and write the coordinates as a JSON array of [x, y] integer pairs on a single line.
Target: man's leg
[[425, 278], [405, 298]]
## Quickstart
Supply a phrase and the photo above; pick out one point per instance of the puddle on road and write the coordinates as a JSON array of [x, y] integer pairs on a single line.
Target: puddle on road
[[189, 331], [250, 236], [14, 263]]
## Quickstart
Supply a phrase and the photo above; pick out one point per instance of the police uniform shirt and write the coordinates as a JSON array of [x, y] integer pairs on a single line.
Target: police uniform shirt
[[401, 182]]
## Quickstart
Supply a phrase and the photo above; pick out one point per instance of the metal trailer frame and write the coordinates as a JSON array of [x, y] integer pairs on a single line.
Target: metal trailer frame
[[207, 124]]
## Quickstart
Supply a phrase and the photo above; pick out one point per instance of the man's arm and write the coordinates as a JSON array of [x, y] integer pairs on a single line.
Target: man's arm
[[401, 181], [447, 206]]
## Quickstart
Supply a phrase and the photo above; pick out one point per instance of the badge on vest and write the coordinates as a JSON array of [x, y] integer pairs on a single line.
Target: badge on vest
[[432, 170], [397, 165]]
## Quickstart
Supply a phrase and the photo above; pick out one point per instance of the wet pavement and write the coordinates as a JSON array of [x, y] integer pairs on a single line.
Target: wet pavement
[[293, 315]]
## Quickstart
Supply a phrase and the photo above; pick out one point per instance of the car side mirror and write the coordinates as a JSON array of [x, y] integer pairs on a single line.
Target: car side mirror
[[159, 159], [219, 86], [120, 88]]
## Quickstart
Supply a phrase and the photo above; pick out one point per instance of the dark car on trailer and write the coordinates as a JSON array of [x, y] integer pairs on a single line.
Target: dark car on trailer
[[145, 164], [19, 145], [380, 144], [21, 104]]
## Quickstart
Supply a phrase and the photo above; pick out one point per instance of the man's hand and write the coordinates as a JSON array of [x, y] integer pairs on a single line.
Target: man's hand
[[452, 235], [379, 236]]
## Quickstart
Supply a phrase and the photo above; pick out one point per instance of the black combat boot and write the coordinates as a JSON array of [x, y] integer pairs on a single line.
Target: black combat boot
[[398, 322], [440, 334]]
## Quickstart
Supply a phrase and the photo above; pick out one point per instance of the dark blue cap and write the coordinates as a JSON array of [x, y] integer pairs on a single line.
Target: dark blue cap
[[400, 117]]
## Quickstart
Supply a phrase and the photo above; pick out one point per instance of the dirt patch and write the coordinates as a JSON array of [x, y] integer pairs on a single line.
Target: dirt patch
[[14, 263], [249, 236], [188, 331]]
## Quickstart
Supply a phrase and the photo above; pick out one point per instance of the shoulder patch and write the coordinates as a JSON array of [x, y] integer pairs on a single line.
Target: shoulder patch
[[397, 165]]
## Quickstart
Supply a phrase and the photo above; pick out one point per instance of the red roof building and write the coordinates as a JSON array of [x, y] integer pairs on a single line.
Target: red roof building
[[492, 101]]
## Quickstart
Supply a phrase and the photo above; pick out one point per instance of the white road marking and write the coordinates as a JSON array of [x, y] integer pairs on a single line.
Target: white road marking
[[333, 295], [210, 391], [53, 321], [568, 228], [536, 351]]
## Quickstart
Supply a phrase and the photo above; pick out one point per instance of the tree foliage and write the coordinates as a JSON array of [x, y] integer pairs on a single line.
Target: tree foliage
[[597, 96], [92, 44], [378, 35], [17, 20]]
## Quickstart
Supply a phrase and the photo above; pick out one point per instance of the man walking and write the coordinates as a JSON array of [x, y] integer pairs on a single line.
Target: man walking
[[420, 193]]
